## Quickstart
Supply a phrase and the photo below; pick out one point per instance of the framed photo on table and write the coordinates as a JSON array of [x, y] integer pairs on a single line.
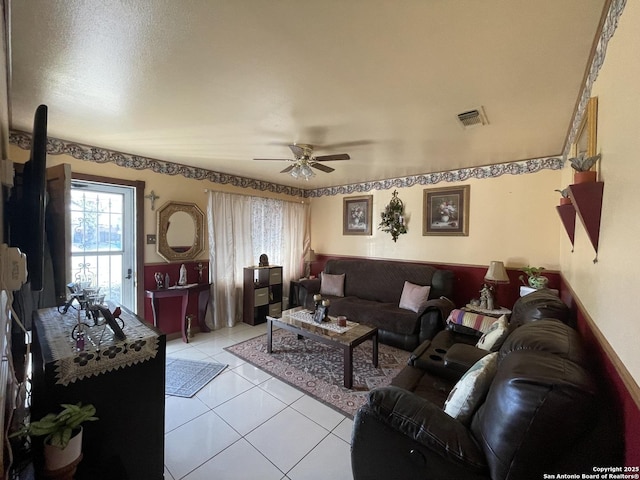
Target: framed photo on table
[[446, 211], [356, 216], [320, 314]]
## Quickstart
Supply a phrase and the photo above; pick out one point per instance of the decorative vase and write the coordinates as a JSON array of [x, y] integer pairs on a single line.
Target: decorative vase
[[585, 177], [444, 218], [56, 458], [565, 201], [538, 282]]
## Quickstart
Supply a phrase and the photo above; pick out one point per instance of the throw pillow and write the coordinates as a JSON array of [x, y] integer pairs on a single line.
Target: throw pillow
[[332, 284], [471, 389], [493, 338], [414, 297], [471, 320]]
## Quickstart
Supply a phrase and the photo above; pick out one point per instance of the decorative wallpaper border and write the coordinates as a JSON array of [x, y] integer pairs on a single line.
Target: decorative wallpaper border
[[490, 171], [101, 155], [608, 29], [88, 153]]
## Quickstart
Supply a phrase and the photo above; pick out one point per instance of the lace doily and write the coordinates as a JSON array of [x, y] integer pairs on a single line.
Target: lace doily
[[102, 351], [307, 317]]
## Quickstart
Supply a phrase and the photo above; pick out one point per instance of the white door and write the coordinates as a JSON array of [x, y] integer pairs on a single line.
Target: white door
[[103, 239]]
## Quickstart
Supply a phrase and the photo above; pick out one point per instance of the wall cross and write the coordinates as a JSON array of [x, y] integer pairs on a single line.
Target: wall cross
[[153, 197]]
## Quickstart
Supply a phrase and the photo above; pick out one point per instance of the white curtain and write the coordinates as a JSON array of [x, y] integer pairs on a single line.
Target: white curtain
[[240, 229], [230, 250], [266, 221], [296, 241]]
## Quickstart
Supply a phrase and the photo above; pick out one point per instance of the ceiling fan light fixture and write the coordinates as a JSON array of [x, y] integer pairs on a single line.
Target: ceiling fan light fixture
[[306, 171], [304, 163]]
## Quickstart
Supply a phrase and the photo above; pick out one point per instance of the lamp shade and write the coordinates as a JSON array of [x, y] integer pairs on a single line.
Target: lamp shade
[[496, 273]]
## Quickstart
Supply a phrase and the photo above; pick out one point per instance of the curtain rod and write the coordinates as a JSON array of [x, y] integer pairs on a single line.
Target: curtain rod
[[207, 190]]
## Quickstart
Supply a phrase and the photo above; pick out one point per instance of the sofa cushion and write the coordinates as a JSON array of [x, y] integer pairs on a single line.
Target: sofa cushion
[[471, 320], [535, 395], [471, 389], [414, 297], [494, 337], [548, 335], [385, 316], [332, 284], [538, 305]]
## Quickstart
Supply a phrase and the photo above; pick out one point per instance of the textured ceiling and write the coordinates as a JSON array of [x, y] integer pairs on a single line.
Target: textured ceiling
[[215, 84]]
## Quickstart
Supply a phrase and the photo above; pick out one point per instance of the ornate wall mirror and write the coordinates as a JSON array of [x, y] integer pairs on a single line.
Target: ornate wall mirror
[[180, 230]]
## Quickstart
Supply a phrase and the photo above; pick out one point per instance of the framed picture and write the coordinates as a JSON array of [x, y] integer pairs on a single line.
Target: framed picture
[[586, 138], [446, 211], [356, 217], [320, 314]]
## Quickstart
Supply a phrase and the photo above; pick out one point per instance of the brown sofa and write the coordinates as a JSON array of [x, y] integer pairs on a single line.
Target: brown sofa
[[543, 413], [372, 291]]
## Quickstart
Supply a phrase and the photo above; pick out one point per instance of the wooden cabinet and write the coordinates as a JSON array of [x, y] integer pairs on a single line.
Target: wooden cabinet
[[123, 379], [262, 294]]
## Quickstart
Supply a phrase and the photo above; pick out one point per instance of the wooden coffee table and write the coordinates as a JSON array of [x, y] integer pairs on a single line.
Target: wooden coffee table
[[322, 333]]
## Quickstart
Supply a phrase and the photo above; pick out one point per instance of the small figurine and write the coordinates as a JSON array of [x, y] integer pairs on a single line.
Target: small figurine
[[159, 282], [490, 305], [484, 292], [486, 297], [200, 267], [183, 275]]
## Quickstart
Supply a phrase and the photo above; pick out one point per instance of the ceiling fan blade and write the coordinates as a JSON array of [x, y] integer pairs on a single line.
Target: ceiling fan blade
[[274, 159], [288, 169], [354, 143], [328, 158], [297, 150], [322, 167]]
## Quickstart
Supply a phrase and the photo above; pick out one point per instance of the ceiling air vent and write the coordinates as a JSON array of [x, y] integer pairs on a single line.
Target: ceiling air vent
[[473, 118]]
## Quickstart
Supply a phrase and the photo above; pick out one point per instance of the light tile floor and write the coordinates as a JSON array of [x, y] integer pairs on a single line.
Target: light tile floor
[[247, 424]]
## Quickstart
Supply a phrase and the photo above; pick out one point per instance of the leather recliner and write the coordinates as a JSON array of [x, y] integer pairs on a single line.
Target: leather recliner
[[543, 413], [451, 352]]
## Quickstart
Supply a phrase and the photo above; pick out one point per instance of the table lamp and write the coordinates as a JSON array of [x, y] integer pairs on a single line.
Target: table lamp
[[496, 274], [311, 257]]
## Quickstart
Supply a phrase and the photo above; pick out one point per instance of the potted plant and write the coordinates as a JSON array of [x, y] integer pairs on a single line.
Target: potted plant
[[564, 196], [534, 277], [62, 432], [582, 166]]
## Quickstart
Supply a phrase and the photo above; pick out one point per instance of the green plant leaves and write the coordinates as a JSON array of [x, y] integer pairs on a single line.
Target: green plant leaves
[[583, 163], [59, 428]]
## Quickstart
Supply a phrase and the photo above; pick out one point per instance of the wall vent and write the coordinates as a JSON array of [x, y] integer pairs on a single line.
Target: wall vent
[[473, 118]]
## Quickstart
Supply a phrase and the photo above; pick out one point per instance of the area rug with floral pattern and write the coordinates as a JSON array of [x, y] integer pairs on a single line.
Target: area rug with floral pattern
[[317, 369]]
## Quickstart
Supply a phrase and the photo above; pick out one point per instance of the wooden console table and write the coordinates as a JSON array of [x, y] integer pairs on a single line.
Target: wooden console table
[[203, 290]]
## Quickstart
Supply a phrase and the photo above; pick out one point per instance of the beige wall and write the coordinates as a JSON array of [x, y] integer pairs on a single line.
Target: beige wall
[[609, 289], [176, 188], [512, 218]]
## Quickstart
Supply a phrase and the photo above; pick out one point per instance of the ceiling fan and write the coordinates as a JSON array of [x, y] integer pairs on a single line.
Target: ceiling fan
[[301, 165]]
